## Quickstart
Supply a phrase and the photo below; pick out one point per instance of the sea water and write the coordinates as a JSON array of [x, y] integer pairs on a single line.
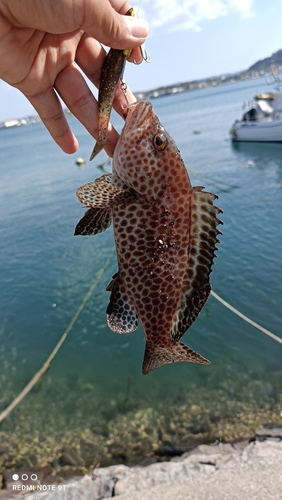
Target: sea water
[[95, 383]]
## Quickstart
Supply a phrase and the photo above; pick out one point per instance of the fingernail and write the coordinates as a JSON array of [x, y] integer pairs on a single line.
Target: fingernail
[[138, 28]]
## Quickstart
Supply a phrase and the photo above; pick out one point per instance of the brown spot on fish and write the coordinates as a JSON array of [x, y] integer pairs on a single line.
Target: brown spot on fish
[[165, 232]]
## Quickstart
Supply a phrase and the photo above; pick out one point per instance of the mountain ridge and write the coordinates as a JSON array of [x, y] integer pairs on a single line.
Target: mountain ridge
[[264, 64]]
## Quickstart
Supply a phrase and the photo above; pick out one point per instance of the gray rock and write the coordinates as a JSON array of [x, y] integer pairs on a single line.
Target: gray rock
[[141, 478], [205, 459], [269, 432], [147, 461], [215, 455], [198, 466], [262, 449], [114, 472]]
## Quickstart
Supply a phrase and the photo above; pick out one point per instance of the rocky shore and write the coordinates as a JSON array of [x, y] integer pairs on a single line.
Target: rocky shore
[[69, 426], [246, 469]]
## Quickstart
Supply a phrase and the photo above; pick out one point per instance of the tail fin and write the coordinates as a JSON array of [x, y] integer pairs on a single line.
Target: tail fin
[[156, 356]]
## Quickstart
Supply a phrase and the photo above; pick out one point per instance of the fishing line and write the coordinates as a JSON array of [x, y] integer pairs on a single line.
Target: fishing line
[[245, 318], [145, 55], [211, 180], [48, 361]]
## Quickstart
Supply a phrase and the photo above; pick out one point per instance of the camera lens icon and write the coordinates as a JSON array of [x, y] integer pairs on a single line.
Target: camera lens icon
[[33, 477], [24, 477]]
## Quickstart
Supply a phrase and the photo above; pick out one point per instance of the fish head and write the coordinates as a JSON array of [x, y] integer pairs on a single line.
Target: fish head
[[145, 152]]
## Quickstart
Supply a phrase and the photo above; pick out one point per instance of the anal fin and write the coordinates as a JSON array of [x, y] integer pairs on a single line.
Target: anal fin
[[121, 317], [157, 355], [94, 221]]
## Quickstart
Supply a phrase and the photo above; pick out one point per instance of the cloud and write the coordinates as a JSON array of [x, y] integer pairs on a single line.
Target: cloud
[[187, 14]]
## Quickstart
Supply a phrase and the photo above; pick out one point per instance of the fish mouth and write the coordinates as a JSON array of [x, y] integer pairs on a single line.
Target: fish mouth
[[137, 116]]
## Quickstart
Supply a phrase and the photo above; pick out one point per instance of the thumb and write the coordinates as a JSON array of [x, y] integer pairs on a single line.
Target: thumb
[[112, 29]]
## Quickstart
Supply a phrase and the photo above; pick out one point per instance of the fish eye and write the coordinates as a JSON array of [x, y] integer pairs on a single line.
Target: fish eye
[[160, 142]]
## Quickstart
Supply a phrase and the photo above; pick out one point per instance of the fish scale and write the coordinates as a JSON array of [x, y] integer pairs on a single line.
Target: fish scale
[[165, 232]]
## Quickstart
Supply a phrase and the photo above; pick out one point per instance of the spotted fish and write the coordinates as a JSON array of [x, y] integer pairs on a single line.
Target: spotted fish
[[165, 232]]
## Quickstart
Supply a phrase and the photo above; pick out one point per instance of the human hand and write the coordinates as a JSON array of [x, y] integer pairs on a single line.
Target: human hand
[[43, 43]]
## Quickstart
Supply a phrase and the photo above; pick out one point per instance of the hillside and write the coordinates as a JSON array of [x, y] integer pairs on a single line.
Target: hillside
[[264, 64]]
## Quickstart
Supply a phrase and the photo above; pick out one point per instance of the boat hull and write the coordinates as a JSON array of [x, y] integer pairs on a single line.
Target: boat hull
[[260, 131]]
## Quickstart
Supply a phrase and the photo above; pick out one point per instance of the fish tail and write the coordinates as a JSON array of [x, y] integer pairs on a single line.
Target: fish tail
[[157, 355], [98, 147]]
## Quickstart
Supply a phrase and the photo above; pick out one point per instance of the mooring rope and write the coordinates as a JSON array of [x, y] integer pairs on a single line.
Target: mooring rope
[[245, 318], [48, 361]]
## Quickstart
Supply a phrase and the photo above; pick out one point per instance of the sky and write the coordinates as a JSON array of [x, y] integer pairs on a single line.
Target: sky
[[189, 40]]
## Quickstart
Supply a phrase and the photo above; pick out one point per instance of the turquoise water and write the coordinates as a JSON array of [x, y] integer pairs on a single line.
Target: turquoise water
[[46, 271]]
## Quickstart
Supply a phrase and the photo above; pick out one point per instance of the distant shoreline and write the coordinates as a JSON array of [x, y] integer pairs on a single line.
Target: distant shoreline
[[206, 83], [167, 90]]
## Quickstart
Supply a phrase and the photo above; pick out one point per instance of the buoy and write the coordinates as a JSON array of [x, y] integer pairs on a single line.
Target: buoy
[[80, 161]]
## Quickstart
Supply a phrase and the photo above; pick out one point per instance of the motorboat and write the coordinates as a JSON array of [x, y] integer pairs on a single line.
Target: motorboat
[[262, 122]]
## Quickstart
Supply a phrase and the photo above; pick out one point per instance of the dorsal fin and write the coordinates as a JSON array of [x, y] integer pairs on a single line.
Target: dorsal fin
[[201, 252], [157, 355], [121, 317]]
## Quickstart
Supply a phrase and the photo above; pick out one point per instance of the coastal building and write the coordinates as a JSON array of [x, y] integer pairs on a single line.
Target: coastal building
[[11, 123]]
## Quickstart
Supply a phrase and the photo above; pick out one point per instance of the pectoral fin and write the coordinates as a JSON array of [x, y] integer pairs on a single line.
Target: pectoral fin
[[95, 221], [201, 252], [156, 356], [101, 193], [121, 317]]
